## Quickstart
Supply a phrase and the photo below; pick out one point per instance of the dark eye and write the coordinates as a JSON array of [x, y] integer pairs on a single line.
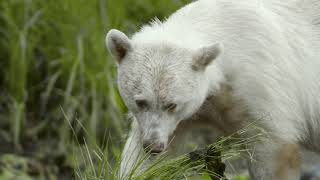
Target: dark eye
[[170, 107], [141, 103]]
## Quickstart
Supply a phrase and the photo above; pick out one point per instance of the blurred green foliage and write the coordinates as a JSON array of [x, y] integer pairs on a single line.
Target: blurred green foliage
[[56, 75]]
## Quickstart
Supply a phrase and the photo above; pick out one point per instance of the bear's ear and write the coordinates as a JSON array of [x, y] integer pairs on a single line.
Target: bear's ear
[[118, 44], [205, 55]]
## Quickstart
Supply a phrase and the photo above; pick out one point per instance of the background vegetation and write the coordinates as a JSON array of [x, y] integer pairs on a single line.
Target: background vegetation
[[57, 83]]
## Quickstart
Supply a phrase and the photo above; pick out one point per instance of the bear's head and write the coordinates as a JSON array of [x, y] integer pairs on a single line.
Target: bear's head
[[160, 83]]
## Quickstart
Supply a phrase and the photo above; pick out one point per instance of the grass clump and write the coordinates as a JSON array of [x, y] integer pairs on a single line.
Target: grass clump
[[204, 163]]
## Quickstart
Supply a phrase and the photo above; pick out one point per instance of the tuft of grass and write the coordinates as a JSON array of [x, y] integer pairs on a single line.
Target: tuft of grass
[[204, 163]]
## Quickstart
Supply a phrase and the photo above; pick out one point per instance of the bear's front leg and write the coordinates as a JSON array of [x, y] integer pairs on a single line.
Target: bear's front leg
[[132, 153], [134, 157], [275, 161]]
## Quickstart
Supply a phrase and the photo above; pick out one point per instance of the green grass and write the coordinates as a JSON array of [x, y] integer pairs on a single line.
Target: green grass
[[202, 163]]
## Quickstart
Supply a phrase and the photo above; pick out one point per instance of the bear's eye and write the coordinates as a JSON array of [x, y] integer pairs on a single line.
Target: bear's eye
[[170, 107], [141, 103]]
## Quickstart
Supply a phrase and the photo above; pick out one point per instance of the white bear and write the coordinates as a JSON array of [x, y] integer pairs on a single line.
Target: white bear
[[224, 64]]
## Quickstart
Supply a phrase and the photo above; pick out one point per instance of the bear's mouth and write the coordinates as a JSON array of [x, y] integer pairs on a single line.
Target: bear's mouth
[[155, 152]]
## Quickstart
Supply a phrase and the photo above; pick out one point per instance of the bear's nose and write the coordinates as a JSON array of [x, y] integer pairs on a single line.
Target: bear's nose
[[153, 148]]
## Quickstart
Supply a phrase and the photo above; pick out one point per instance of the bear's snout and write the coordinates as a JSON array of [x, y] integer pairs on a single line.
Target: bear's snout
[[153, 147]]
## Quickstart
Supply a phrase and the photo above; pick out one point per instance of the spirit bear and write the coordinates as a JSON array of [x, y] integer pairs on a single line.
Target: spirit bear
[[224, 64]]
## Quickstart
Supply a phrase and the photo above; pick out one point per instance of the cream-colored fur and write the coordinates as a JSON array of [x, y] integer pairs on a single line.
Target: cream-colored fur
[[225, 64]]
